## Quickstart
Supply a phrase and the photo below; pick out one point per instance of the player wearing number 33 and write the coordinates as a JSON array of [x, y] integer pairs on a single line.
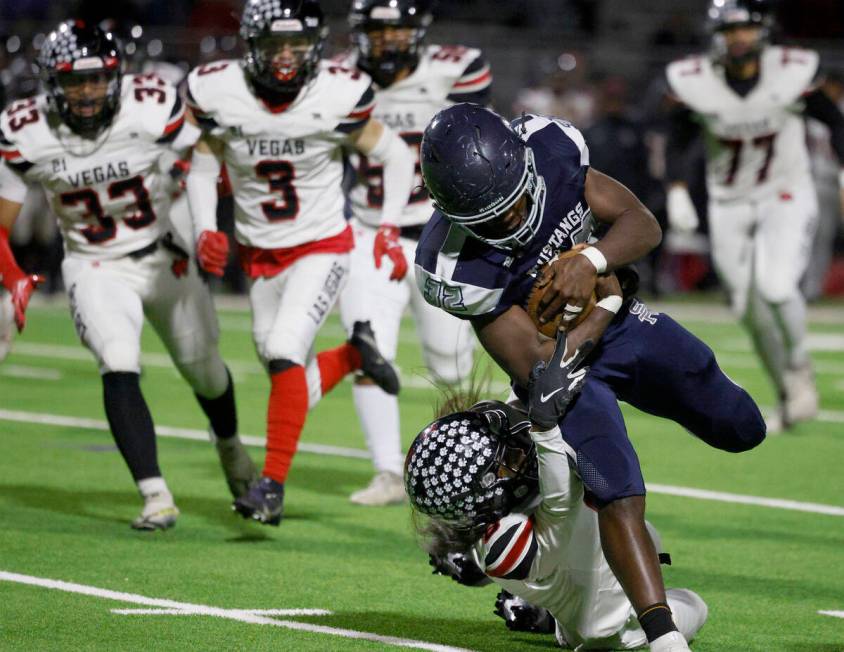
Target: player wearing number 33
[[94, 142], [509, 199], [280, 119], [749, 96]]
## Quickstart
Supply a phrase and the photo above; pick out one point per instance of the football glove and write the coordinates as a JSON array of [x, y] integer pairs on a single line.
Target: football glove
[[682, 214], [460, 568], [520, 616], [387, 244], [554, 385], [21, 292], [212, 251]]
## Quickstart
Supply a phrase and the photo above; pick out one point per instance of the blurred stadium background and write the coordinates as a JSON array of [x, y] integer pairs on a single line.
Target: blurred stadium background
[[598, 63]]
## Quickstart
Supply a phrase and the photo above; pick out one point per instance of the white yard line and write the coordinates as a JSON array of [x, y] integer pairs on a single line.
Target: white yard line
[[241, 615], [834, 614], [358, 453], [256, 612], [30, 373]]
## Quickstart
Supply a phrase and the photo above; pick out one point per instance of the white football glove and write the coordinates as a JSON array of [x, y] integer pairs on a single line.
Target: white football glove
[[682, 214]]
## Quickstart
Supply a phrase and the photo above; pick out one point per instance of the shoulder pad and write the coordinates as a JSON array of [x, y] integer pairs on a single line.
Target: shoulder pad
[[793, 69], [153, 103], [23, 130], [559, 137], [509, 547]]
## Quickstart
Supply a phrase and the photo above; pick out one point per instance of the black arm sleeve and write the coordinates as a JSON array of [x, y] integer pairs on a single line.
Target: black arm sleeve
[[683, 129], [821, 108]]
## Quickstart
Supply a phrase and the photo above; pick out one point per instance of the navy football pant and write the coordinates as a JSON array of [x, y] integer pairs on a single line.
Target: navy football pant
[[654, 364]]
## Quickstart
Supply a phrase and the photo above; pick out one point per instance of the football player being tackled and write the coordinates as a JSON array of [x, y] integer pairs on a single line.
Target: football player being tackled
[[94, 142], [751, 100], [502, 503], [413, 80], [509, 198], [280, 119]]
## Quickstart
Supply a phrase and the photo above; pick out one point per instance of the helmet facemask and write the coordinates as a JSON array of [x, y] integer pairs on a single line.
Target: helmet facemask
[[736, 22], [488, 226]]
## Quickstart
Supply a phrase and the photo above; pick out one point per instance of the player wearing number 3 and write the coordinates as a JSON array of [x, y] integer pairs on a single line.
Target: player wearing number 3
[[94, 142], [762, 205], [280, 119]]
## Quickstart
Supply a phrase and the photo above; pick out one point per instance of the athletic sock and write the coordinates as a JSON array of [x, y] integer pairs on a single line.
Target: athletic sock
[[152, 486], [335, 364], [131, 424], [656, 621], [379, 417], [286, 413], [221, 411]]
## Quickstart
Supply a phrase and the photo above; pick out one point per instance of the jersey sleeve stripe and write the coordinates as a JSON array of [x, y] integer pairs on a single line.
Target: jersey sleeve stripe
[[475, 81], [519, 549], [522, 569], [11, 155]]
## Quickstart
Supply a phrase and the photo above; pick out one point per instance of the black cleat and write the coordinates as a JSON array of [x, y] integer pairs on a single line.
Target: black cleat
[[264, 502], [373, 363]]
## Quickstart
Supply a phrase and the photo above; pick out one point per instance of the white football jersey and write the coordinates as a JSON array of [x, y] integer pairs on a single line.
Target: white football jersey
[[107, 193], [285, 167], [552, 558], [445, 75], [756, 144]]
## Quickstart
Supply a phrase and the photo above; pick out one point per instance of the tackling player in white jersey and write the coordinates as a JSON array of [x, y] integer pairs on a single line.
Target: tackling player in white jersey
[[279, 120], [498, 487], [413, 81], [748, 96], [94, 141]]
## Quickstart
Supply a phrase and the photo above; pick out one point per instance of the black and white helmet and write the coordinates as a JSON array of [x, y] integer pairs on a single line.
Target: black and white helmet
[[72, 52], [267, 23], [728, 14], [472, 468]]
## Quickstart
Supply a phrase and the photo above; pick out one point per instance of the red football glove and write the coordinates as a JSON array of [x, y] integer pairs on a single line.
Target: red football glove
[[387, 244], [21, 291], [212, 250]]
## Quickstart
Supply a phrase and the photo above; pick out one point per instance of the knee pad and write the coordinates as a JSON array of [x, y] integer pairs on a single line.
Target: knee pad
[[207, 376], [119, 356], [450, 367]]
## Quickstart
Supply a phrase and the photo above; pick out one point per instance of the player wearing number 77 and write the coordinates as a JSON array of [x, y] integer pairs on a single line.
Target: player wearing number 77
[[94, 142], [749, 97], [280, 119]]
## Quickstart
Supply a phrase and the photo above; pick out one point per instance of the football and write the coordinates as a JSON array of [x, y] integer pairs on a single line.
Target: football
[[549, 329]]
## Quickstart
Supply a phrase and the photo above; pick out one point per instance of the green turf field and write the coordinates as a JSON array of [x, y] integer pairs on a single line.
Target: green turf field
[[66, 500]]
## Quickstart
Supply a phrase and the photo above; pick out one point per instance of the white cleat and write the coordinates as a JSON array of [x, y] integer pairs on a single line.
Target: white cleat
[[159, 513], [670, 642], [386, 488], [801, 395]]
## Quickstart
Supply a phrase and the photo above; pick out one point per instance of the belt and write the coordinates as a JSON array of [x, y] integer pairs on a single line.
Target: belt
[[167, 242]]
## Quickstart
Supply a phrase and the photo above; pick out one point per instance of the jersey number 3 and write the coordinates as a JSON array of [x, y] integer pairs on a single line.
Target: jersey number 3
[[279, 176]]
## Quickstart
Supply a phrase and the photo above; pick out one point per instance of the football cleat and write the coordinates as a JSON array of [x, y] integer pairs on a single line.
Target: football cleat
[[386, 488], [670, 642], [801, 395], [159, 513], [373, 364], [264, 502], [238, 467]]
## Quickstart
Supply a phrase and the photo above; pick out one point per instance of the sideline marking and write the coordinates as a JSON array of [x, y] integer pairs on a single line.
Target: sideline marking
[[357, 453], [834, 614], [241, 615]]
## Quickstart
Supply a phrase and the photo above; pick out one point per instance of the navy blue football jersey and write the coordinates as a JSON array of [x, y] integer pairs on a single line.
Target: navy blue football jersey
[[468, 277]]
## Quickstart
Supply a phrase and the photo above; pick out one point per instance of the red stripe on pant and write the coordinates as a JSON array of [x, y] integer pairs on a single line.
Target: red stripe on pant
[[285, 419]]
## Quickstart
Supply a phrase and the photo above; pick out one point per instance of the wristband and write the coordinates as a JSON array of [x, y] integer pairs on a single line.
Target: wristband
[[611, 303], [596, 258]]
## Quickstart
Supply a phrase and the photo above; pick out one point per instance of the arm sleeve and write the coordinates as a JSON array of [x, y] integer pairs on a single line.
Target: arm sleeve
[[682, 131], [821, 108], [399, 171], [554, 474], [201, 186]]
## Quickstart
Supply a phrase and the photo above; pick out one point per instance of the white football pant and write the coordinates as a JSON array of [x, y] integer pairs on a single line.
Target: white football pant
[[761, 250], [108, 301]]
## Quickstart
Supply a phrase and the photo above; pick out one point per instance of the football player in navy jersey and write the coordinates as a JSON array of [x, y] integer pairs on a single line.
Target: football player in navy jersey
[[509, 198]]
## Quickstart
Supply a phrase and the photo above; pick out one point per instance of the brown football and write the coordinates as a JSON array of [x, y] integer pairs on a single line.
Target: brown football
[[549, 329]]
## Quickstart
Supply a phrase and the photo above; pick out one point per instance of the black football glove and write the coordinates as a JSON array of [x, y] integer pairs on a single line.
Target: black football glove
[[460, 568], [509, 423], [554, 385], [520, 616]]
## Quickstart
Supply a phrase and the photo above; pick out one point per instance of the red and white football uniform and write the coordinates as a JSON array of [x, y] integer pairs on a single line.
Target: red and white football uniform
[[758, 173], [552, 558], [286, 168], [445, 75], [112, 201]]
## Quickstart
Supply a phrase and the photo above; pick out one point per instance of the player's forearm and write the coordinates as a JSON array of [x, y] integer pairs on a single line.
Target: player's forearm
[[682, 132], [820, 107], [201, 186], [399, 171], [554, 472], [633, 235]]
